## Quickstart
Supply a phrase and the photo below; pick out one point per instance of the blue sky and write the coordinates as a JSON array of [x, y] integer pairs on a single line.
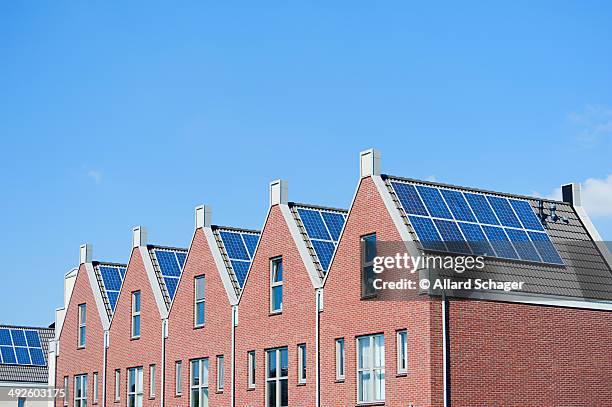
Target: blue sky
[[114, 115]]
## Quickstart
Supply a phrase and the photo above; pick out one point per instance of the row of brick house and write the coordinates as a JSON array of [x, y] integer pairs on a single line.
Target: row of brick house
[[278, 318]]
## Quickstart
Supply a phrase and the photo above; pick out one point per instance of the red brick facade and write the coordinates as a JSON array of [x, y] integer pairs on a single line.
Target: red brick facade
[[186, 342], [259, 330], [73, 360], [502, 354], [125, 352]]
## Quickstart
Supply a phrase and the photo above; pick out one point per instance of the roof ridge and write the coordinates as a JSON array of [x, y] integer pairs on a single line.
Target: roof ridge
[[322, 207], [155, 246], [233, 228], [108, 263], [2, 326]]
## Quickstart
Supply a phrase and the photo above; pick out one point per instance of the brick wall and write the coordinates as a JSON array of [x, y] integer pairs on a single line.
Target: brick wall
[[125, 352], [186, 342], [258, 330], [525, 355], [73, 360]]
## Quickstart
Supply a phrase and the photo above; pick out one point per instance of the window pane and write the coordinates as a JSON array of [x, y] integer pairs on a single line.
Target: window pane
[[200, 287], [200, 313], [204, 397], [195, 372], [195, 398], [272, 363], [204, 372], [364, 353], [82, 313], [178, 378], [277, 297], [136, 301], [272, 394], [132, 380], [364, 386], [379, 384], [278, 271], [136, 325], [369, 247], [379, 351], [284, 396], [284, 362]]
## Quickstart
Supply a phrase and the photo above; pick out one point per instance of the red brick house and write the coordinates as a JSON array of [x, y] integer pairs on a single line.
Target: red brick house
[[289, 316], [200, 323], [138, 330]]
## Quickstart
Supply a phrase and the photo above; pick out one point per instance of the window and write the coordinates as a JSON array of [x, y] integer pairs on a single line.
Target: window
[[301, 373], [200, 300], [276, 378], [199, 383], [152, 369], [136, 314], [276, 285], [134, 390], [117, 384], [65, 390], [220, 372], [82, 324], [95, 388], [371, 368], [252, 365], [368, 252], [340, 359], [402, 352], [178, 380], [21, 402], [80, 391]]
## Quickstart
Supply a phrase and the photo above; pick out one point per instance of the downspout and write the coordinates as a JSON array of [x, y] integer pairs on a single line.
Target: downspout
[[233, 362], [445, 351], [104, 367], [318, 306], [162, 379]]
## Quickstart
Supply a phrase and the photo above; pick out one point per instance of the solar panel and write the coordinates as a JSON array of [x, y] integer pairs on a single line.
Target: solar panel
[[20, 346], [240, 248], [171, 263], [323, 228], [454, 221], [112, 278]]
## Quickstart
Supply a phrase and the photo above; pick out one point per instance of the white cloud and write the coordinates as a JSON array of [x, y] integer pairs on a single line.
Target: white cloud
[[594, 124], [95, 175], [596, 196]]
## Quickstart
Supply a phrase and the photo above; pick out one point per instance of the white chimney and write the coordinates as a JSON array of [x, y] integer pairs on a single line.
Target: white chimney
[[139, 236], [369, 162], [203, 215], [85, 253], [571, 194], [278, 192]]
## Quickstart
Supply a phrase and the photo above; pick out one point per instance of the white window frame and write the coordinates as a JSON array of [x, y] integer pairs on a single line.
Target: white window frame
[[202, 386], [117, 384], [82, 339], [66, 396], [340, 359], [80, 390], [301, 363], [402, 351], [252, 366], [372, 368], [220, 373], [152, 380], [95, 388], [199, 300], [178, 377], [274, 263], [136, 314], [278, 378], [137, 394]]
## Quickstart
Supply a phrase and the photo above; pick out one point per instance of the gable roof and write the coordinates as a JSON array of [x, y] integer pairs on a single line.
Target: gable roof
[[110, 278], [320, 228], [23, 353], [583, 272]]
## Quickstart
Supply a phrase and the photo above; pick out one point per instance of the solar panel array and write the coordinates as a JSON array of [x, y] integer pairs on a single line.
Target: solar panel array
[[240, 248], [171, 263], [21, 347], [462, 222], [112, 278], [323, 228]]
